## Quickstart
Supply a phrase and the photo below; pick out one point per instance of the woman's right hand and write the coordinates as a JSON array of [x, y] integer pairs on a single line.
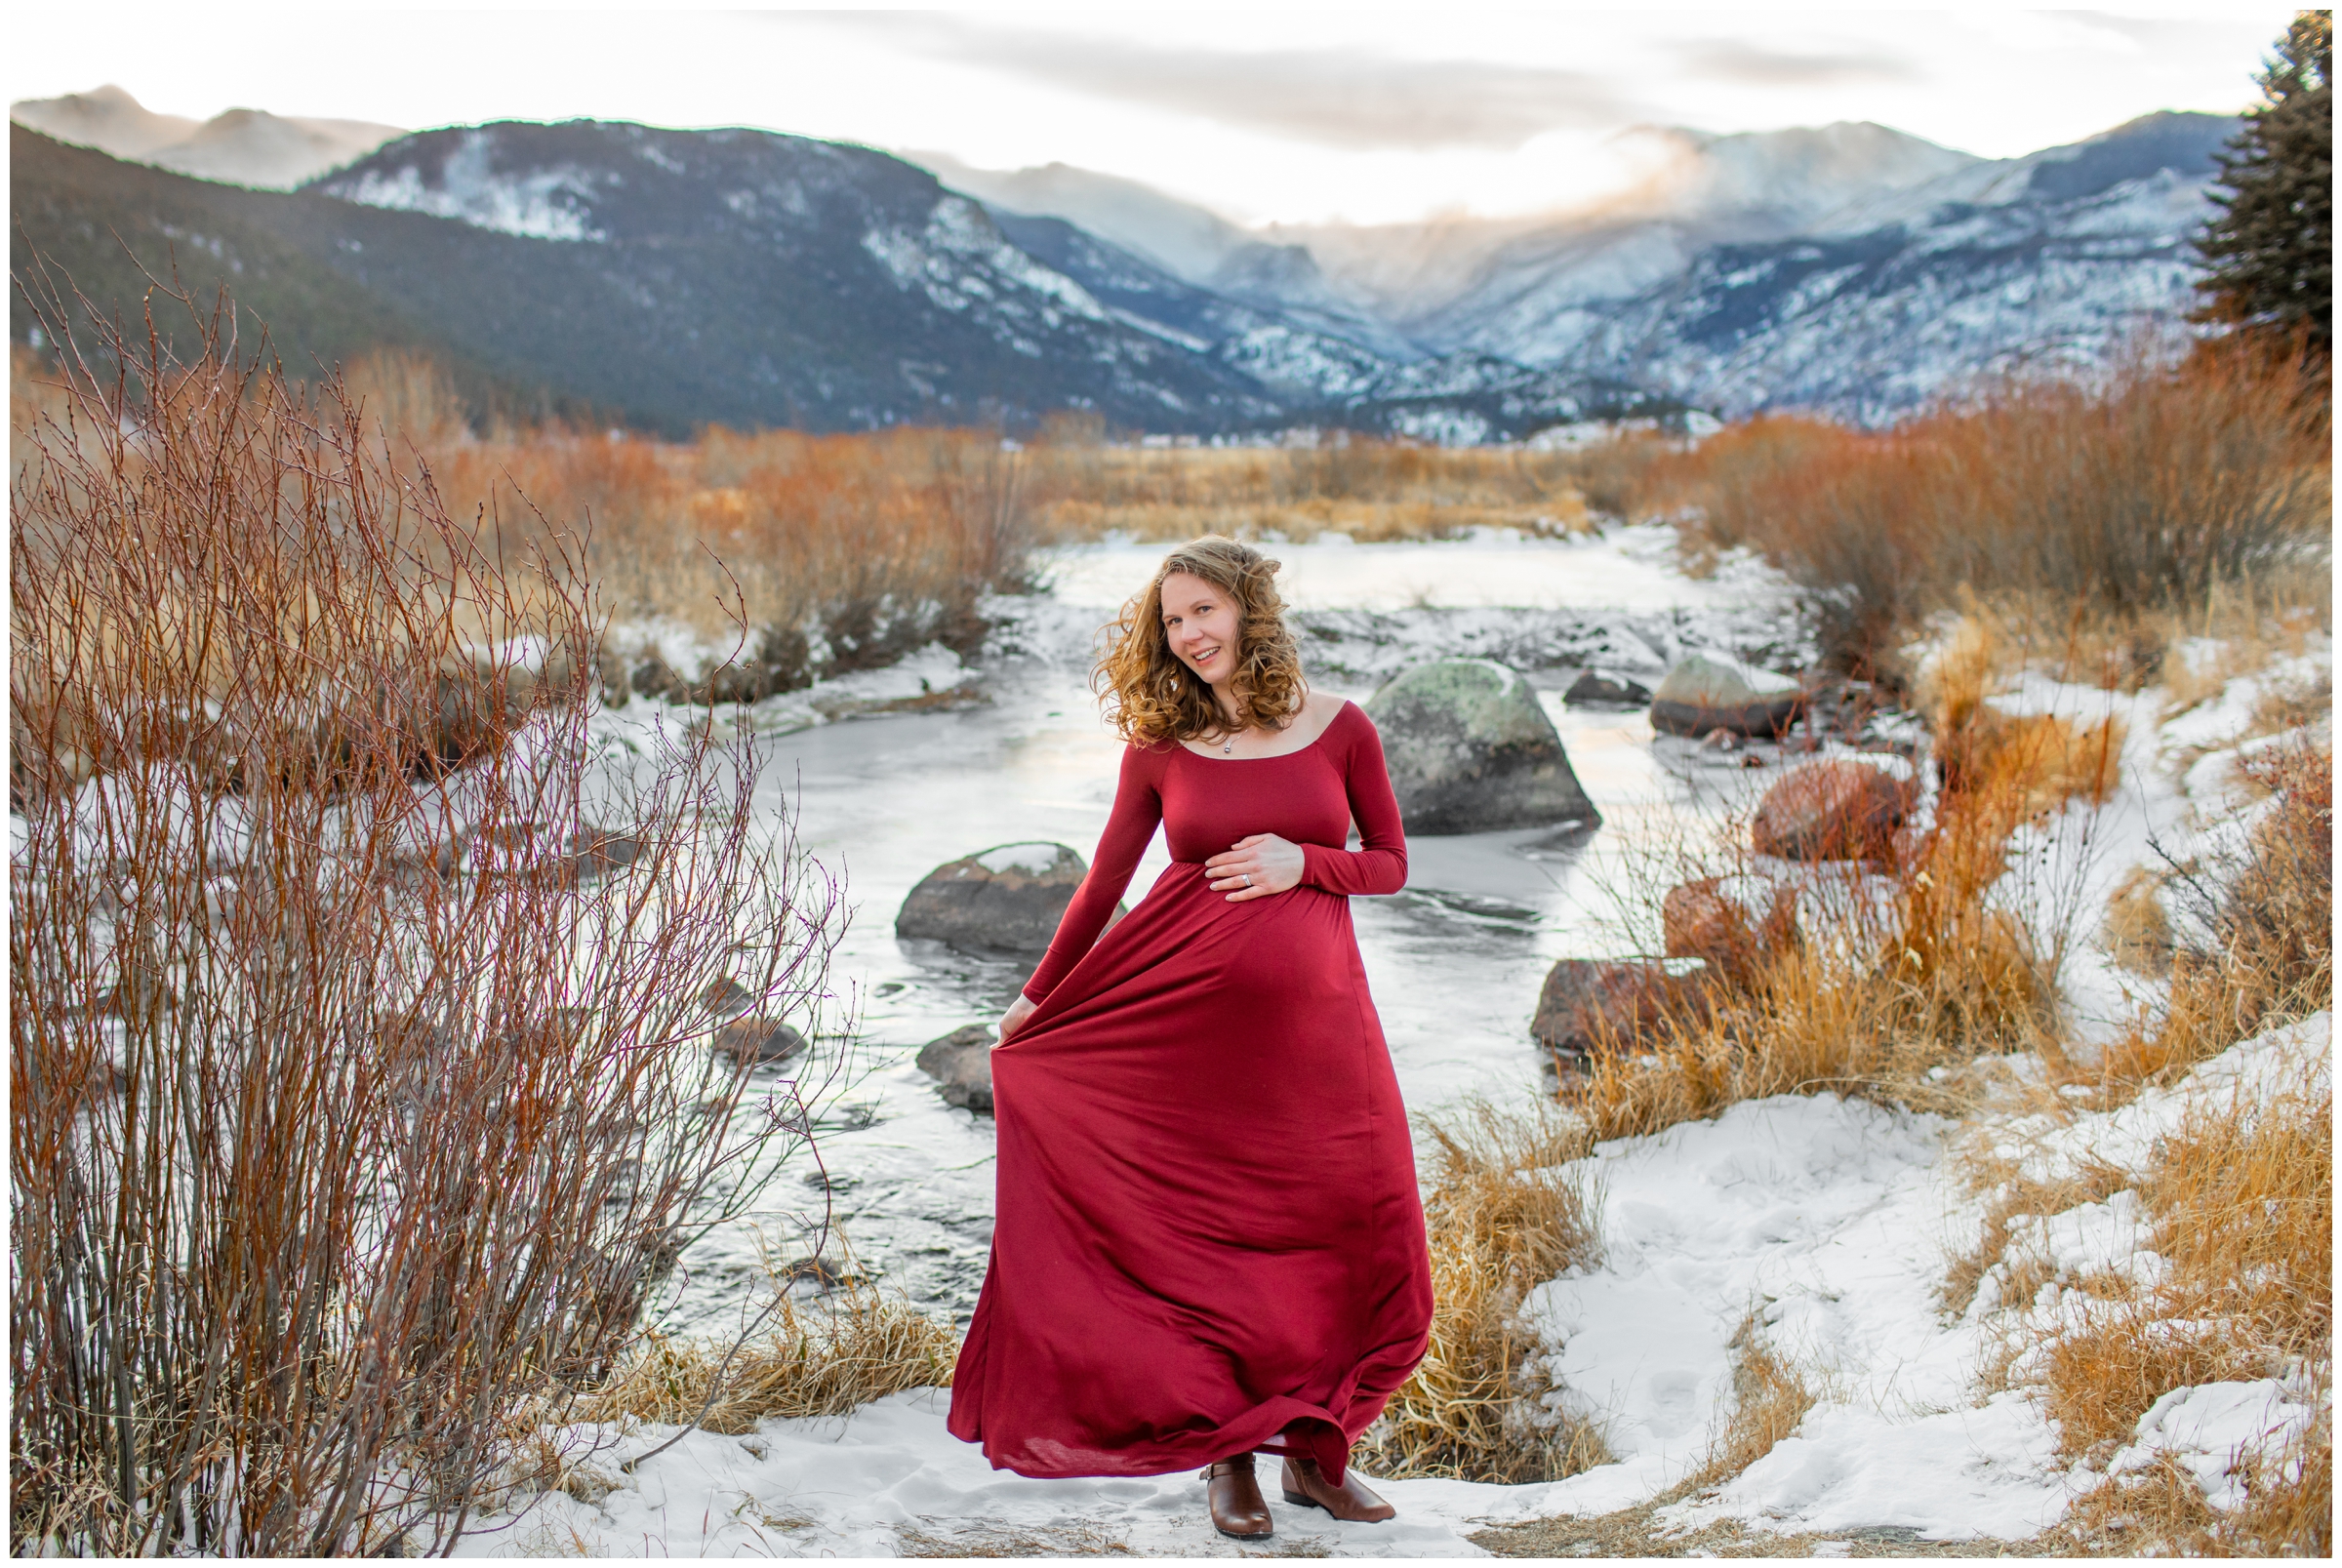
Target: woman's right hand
[[1014, 1019]]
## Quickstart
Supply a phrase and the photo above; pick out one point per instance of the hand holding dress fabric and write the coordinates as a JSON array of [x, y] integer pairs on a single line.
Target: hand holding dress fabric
[[1018, 1012], [1257, 867]]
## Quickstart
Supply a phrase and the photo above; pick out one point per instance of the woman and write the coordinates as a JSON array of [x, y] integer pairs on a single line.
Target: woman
[[1208, 1239]]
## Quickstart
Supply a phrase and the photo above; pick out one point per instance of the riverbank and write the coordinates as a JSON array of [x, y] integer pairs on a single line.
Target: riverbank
[[1784, 1345]]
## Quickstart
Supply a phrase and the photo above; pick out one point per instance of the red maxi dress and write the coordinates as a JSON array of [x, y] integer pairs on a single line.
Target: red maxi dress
[[1208, 1238]]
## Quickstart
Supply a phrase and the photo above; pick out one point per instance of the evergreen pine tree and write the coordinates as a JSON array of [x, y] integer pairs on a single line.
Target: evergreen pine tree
[[2268, 255]]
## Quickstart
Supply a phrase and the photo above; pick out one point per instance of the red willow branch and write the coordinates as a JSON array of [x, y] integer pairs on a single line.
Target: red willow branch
[[361, 1097]]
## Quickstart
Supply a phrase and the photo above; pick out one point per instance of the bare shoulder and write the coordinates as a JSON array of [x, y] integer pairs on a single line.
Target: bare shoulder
[[1320, 713]]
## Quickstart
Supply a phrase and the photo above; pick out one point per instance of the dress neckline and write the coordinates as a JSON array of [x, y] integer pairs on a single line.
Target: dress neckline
[[1273, 756]]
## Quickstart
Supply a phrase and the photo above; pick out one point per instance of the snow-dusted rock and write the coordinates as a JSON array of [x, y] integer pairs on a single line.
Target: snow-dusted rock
[[1470, 749], [1007, 899], [1705, 693], [1594, 689]]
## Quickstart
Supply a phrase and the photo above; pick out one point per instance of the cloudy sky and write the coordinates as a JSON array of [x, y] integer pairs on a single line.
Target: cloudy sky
[[1293, 114]]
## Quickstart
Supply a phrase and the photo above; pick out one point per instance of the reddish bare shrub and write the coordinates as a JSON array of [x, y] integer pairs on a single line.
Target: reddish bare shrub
[[2109, 502], [359, 1092]]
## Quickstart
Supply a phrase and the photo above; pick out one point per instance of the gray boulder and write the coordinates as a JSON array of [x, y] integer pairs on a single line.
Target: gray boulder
[[1470, 750], [962, 1063], [1008, 899], [1593, 689], [1704, 694], [758, 1040]]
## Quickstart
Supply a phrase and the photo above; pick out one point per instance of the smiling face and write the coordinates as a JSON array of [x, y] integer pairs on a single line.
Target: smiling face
[[1202, 625]]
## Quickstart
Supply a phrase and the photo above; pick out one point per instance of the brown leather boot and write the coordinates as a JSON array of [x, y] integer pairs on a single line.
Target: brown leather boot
[[1238, 1510], [1351, 1502]]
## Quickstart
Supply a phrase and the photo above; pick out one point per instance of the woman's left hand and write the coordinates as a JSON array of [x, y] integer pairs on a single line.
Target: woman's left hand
[[1256, 867]]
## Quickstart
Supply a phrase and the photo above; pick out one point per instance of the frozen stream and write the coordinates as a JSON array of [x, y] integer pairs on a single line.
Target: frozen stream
[[1455, 961]]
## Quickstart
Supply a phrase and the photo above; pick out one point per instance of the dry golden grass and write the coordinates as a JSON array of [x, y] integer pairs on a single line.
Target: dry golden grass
[[840, 552], [2273, 958], [1647, 1531], [2238, 1201], [1884, 989], [2240, 1205], [2104, 510], [1879, 991], [2243, 1205], [2191, 649], [1372, 492], [2136, 932], [963, 1537], [1771, 1392], [857, 1345], [2014, 1196], [1503, 1217]]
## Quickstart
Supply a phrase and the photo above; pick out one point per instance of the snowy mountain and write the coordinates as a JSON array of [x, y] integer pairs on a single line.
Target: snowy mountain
[[240, 148], [778, 279], [1696, 190], [678, 277], [1190, 243], [1184, 239], [1315, 371], [1848, 268], [1893, 299], [107, 118]]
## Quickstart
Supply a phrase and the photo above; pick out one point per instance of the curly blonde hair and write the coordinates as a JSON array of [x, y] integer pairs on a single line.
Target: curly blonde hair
[[1151, 698]]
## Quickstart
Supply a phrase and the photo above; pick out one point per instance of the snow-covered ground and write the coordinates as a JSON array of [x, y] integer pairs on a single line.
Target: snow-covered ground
[[1827, 1221]]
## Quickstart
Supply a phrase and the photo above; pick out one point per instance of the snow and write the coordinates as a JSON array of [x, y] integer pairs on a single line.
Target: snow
[[547, 204], [1034, 860], [1953, 1474], [2211, 1428], [1821, 1223], [1824, 1217], [2294, 1060], [1629, 568], [2223, 720], [930, 671], [875, 1483], [961, 262]]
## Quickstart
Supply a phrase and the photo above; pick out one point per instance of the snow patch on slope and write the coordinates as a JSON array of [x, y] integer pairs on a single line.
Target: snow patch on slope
[[958, 259], [546, 204]]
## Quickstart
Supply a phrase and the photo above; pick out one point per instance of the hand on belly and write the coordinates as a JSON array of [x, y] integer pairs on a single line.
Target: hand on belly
[[1256, 867]]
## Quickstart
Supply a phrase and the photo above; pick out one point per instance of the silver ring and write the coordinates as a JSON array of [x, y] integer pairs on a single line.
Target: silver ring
[[1248, 879]]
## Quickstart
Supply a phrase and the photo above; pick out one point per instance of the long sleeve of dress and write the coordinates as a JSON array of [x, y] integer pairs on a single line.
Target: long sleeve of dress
[[1380, 863], [1129, 830]]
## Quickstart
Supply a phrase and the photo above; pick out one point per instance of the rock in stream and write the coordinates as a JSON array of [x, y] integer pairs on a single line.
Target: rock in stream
[[1470, 750]]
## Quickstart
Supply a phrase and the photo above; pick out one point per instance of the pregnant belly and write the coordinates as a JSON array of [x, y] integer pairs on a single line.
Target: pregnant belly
[[1190, 996]]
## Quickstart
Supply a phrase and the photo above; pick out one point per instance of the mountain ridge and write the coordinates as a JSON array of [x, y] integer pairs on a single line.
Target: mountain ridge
[[239, 146], [740, 276]]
